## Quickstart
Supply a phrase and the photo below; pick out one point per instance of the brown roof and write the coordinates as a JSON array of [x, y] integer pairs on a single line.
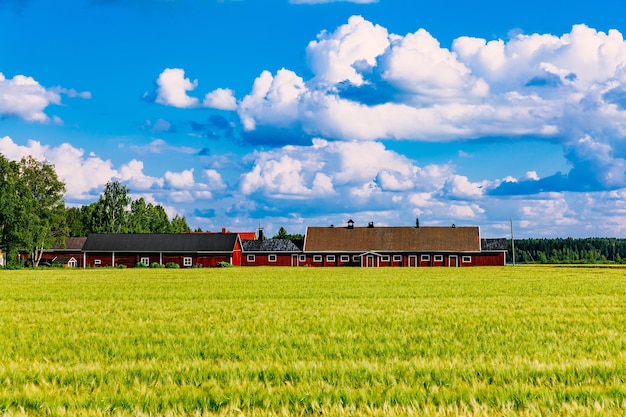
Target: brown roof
[[386, 239]]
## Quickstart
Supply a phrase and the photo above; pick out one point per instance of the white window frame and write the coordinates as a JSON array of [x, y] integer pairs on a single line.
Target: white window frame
[[272, 258], [97, 261], [187, 261], [397, 258], [344, 258], [317, 258], [251, 258], [145, 260], [302, 258], [438, 258], [425, 258], [72, 263], [385, 258], [330, 258], [356, 258], [466, 259]]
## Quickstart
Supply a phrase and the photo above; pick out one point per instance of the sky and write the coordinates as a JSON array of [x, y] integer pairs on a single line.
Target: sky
[[245, 113]]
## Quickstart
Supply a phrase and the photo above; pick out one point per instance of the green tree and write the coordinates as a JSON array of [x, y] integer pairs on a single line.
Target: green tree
[[281, 234], [9, 208], [32, 210], [112, 208], [179, 224]]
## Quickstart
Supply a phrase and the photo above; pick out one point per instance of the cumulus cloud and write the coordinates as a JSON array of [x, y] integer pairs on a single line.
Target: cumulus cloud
[[221, 99], [369, 84], [180, 180], [215, 181], [23, 97], [172, 88], [366, 171], [342, 55]]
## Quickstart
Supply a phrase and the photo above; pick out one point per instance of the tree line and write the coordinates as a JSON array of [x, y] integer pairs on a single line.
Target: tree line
[[569, 250], [33, 215]]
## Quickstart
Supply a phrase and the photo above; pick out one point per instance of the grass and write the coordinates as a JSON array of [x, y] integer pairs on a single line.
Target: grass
[[535, 340]]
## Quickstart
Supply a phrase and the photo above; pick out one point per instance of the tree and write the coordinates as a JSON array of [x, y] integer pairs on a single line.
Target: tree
[[32, 210], [282, 234], [111, 209], [179, 224], [9, 208]]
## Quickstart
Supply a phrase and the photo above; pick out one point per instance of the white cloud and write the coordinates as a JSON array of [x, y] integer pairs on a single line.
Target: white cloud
[[25, 98], [364, 170], [274, 100], [221, 98], [418, 65], [215, 180], [173, 87], [180, 180], [335, 56], [459, 187], [429, 206], [132, 174]]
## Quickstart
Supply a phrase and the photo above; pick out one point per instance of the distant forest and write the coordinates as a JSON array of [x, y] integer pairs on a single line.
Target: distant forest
[[569, 250]]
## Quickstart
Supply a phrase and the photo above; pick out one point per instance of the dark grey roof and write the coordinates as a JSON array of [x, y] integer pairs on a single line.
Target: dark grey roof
[[498, 244], [163, 242], [269, 245]]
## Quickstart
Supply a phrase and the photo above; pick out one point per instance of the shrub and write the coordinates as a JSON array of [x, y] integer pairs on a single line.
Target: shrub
[[173, 265], [224, 265], [140, 265], [197, 266], [156, 265], [121, 266]]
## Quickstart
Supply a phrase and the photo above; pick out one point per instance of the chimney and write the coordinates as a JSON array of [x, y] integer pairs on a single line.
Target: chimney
[[261, 234], [417, 222], [370, 225], [224, 230], [350, 224]]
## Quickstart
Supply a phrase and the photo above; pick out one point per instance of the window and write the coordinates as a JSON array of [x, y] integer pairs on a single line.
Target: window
[[302, 258], [271, 258], [97, 262], [330, 258], [251, 258], [145, 261], [438, 258], [345, 258], [187, 261], [356, 258], [385, 258], [397, 258], [317, 258], [466, 259], [426, 258]]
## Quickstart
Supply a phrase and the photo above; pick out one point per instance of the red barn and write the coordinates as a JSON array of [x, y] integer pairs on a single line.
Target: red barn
[[400, 246], [270, 252], [186, 250]]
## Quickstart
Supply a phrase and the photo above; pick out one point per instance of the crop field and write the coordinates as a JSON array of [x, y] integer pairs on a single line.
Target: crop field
[[525, 340]]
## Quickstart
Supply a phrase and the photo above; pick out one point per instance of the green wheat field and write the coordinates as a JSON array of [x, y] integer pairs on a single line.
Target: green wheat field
[[496, 341]]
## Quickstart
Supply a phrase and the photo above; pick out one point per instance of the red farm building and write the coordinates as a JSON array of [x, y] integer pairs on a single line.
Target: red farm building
[[186, 250], [270, 252], [373, 246]]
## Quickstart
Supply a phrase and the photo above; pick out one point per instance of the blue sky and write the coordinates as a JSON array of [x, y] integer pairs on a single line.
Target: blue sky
[[311, 112]]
